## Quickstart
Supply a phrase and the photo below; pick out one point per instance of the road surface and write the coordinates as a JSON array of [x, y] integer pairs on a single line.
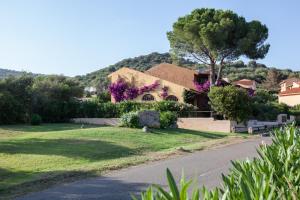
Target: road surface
[[205, 166]]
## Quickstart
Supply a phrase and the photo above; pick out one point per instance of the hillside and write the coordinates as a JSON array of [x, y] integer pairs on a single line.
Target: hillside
[[99, 78], [264, 75], [235, 71], [4, 73], [7, 72]]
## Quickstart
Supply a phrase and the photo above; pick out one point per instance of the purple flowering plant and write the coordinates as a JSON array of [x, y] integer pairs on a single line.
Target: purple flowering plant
[[164, 92], [121, 91], [204, 87]]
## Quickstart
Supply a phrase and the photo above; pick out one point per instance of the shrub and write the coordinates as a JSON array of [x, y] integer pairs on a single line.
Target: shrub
[[94, 108], [274, 174], [167, 119], [36, 119], [269, 110], [103, 97], [130, 120], [231, 102], [9, 108], [108, 110], [128, 106]]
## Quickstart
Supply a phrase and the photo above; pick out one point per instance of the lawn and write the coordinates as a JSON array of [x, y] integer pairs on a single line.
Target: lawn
[[34, 157]]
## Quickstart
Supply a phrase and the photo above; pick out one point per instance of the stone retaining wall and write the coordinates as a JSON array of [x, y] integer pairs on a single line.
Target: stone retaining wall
[[200, 124], [97, 121]]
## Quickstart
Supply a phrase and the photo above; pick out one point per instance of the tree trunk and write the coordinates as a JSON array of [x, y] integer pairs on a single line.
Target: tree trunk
[[219, 76], [212, 74]]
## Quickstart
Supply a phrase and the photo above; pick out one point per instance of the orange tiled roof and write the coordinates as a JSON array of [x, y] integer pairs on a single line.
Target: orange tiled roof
[[175, 74], [290, 92], [290, 81], [244, 82]]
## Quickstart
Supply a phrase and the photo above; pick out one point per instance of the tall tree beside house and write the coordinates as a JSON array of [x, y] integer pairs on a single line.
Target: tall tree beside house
[[272, 81], [216, 37]]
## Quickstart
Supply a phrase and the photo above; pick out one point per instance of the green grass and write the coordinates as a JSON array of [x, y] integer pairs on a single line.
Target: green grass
[[33, 157]]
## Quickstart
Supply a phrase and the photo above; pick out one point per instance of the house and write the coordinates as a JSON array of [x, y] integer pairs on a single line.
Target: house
[[246, 83], [90, 89], [289, 92], [163, 82]]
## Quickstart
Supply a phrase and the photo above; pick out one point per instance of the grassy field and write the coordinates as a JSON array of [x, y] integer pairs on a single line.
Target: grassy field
[[34, 157]]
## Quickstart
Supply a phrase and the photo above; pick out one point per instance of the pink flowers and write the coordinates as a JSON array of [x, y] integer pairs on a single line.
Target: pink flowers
[[202, 87], [148, 88], [120, 90], [164, 92]]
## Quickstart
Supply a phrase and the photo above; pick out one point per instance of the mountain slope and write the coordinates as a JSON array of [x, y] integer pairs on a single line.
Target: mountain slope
[[7, 72], [234, 71], [142, 63]]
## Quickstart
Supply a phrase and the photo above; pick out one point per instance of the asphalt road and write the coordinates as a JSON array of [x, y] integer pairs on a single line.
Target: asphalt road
[[204, 166]]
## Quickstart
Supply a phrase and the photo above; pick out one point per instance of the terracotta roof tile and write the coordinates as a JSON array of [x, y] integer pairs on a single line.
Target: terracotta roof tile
[[290, 92], [175, 74], [290, 81], [244, 82]]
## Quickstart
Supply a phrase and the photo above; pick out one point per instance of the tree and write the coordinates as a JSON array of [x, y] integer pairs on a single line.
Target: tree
[[272, 81], [216, 37], [231, 102]]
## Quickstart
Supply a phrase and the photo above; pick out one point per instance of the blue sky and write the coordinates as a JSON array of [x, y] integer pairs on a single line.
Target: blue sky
[[75, 37]]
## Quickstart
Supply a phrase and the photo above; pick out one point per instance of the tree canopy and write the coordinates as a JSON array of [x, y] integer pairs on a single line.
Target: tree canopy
[[215, 37]]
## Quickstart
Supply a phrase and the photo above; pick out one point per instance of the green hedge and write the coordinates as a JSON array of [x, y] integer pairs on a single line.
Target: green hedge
[[167, 119], [91, 109], [130, 120]]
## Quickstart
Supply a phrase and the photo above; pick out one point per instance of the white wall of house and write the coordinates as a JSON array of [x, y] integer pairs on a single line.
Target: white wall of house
[[290, 100]]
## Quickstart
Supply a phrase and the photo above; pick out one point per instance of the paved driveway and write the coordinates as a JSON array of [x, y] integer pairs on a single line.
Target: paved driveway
[[206, 166]]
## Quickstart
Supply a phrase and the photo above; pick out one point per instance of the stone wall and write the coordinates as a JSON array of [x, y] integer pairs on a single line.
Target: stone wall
[[97, 121], [205, 124]]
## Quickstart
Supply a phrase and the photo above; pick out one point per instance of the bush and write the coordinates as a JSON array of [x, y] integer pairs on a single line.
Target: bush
[[36, 119], [269, 110], [103, 97], [231, 102], [9, 108], [94, 108], [167, 119], [108, 110], [128, 106], [130, 120], [274, 174]]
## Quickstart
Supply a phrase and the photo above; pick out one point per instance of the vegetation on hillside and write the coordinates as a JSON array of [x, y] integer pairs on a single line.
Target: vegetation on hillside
[[267, 77], [140, 63], [234, 71], [4, 73]]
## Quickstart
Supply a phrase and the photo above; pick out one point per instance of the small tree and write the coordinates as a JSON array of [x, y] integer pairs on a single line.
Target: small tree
[[231, 102], [272, 81], [216, 37]]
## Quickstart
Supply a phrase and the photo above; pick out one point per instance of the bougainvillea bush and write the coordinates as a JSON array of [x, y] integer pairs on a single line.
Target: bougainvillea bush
[[122, 91]]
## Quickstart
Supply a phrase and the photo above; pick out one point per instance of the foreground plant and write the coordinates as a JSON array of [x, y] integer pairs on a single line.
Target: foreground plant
[[275, 174]]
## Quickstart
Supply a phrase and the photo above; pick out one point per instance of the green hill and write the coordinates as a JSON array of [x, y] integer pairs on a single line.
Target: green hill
[[7, 72], [4, 73], [238, 70], [99, 78]]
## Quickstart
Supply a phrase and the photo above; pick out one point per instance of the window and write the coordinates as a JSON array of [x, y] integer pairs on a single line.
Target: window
[[171, 98], [148, 97]]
